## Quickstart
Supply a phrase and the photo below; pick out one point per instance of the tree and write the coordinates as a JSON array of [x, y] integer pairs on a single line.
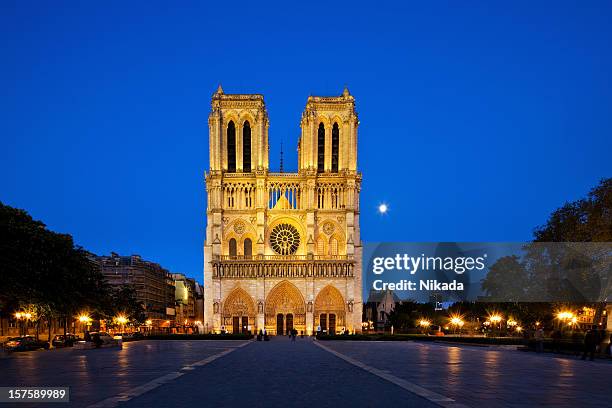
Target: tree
[[124, 302], [44, 269], [585, 220], [506, 280]]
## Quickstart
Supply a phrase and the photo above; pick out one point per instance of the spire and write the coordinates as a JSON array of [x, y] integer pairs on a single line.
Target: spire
[[346, 92], [281, 157], [220, 90]]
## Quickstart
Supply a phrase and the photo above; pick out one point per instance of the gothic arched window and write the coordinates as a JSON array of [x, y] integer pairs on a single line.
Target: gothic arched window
[[321, 149], [335, 147], [333, 244], [248, 248], [231, 147], [246, 147], [321, 247], [232, 248]]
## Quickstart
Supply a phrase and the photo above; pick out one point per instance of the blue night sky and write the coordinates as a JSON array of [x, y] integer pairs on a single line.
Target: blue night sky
[[476, 120]]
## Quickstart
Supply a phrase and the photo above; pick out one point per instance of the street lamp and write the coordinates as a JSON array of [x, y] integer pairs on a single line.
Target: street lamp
[[23, 317], [496, 319], [84, 319], [566, 316], [457, 322], [424, 324], [20, 316], [122, 320]]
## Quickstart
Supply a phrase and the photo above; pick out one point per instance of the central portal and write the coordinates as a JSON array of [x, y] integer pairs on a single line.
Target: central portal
[[285, 309]]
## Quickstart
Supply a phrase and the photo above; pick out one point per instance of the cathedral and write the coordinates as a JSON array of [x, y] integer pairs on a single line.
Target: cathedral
[[282, 250]]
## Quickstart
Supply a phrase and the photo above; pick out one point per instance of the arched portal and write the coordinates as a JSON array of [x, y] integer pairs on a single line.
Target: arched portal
[[239, 311], [285, 306], [330, 310]]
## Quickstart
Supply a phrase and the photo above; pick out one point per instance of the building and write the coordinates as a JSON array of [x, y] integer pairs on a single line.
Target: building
[[282, 250], [378, 307], [199, 299], [153, 284], [185, 298]]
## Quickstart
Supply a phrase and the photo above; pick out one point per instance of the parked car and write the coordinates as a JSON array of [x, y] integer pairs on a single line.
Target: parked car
[[130, 336], [104, 337], [64, 341], [25, 343]]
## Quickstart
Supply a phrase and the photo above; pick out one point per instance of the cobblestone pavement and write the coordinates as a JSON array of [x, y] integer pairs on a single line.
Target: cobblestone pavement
[[94, 375], [284, 373], [280, 373], [479, 376]]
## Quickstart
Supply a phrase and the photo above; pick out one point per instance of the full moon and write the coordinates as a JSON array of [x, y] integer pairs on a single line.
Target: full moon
[[382, 208]]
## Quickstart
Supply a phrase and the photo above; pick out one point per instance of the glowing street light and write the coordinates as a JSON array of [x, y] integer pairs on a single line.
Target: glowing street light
[[424, 323], [495, 318], [457, 322], [84, 318], [121, 319], [23, 317], [573, 321], [565, 315]]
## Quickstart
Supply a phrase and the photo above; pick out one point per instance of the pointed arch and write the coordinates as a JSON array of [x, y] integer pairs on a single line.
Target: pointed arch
[[233, 248], [246, 147], [321, 246], [284, 299], [248, 248], [239, 303], [321, 148], [329, 306], [335, 147], [231, 147], [333, 246], [238, 311]]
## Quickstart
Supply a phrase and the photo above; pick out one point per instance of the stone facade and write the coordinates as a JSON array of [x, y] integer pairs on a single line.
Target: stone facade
[[282, 250]]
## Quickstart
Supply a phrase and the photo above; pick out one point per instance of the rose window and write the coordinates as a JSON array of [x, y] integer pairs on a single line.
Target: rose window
[[285, 239]]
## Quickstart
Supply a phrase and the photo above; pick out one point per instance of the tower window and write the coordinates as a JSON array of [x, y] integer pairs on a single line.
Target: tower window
[[231, 147], [246, 147], [335, 146], [321, 149]]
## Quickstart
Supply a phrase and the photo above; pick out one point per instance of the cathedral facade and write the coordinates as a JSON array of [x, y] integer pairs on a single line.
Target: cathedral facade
[[282, 250]]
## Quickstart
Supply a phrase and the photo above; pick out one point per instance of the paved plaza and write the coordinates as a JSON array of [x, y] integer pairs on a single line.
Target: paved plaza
[[309, 373]]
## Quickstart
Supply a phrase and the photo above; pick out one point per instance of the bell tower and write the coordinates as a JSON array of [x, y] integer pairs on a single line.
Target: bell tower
[[328, 143], [238, 128]]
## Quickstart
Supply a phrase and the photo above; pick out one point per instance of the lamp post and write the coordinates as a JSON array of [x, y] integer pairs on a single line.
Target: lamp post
[[424, 324], [19, 316], [457, 322], [496, 319], [22, 322], [122, 320], [85, 320]]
